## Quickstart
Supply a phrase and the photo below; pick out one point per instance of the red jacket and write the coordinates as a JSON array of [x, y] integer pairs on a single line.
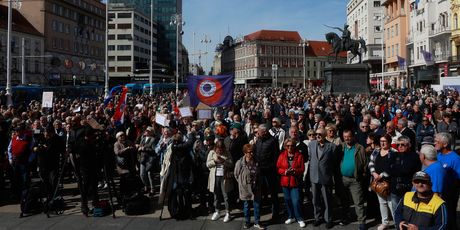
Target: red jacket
[[282, 165]]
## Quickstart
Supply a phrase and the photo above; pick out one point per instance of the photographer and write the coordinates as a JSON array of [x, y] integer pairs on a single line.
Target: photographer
[[48, 153], [82, 146]]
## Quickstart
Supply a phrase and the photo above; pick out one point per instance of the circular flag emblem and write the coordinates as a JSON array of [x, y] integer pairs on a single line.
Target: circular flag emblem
[[209, 91]]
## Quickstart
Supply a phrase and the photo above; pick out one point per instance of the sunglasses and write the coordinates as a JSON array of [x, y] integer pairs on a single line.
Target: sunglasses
[[311, 135], [383, 141], [319, 134], [420, 182], [402, 144]]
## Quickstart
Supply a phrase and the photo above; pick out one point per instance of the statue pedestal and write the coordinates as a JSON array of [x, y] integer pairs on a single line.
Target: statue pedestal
[[347, 78]]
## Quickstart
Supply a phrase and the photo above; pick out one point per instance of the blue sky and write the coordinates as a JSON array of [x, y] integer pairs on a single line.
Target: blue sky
[[214, 17], [240, 17]]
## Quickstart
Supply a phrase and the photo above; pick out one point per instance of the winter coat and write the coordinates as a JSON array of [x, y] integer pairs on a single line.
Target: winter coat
[[228, 171], [290, 180], [247, 190]]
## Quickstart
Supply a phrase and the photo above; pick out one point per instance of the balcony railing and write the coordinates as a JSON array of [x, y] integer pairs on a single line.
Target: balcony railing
[[409, 39], [441, 57], [439, 30], [453, 59]]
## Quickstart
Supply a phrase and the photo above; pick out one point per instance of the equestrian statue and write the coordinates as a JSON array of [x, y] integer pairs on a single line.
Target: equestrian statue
[[345, 43]]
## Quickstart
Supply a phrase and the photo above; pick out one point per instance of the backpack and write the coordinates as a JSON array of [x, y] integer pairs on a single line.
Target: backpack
[[31, 202], [179, 203], [136, 204]]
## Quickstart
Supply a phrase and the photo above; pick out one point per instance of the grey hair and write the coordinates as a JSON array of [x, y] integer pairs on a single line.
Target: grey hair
[[405, 139], [402, 122], [263, 127], [445, 138], [376, 122], [429, 152]]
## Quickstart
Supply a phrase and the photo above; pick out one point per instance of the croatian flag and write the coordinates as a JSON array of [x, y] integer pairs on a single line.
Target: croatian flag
[[427, 56], [213, 91], [119, 115], [401, 62], [113, 91]]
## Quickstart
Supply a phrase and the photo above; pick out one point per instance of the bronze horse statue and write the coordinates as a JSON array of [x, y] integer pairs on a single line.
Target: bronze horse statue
[[351, 45]]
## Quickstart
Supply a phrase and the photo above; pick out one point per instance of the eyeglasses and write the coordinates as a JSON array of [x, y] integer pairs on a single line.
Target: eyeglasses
[[402, 145], [420, 182], [319, 134], [384, 141], [311, 135]]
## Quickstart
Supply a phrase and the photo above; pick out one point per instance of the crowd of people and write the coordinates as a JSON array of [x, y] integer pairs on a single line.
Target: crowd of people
[[395, 150]]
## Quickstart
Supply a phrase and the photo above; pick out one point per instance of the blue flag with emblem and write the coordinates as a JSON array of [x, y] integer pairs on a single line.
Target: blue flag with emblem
[[213, 91]]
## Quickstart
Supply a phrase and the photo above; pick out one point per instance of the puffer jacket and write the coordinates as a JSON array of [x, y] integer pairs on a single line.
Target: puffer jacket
[[290, 180]]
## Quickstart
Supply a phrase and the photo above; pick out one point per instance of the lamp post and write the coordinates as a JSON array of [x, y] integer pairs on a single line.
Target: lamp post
[[177, 20], [106, 79], [151, 49], [206, 40], [8, 54], [382, 18], [304, 43]]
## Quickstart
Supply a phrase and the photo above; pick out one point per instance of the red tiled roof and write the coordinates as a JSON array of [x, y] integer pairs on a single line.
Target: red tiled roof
[[20, 23], [320, 48], [274, 35]]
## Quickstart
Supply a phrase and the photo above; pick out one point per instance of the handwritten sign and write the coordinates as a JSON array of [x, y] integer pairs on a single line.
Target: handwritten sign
[[185, 112], [204, 114], [47, 100], [161, 119]]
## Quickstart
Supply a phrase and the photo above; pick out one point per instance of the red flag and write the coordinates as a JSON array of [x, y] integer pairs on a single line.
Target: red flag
[[119, 115]]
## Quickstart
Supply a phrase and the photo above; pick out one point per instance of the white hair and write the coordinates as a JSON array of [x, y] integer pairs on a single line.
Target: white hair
[[429, 152], [376, 122]]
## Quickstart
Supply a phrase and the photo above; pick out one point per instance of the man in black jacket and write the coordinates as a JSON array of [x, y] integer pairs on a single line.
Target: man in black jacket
[[82, 147], [402, 166], [266, 152], [405, 131], [48, 159]]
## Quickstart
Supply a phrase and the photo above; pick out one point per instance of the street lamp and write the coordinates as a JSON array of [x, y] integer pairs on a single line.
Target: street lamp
[[304, 43], [206, 40], [106, 79], [176, 19], [382, 18], [151, 48]]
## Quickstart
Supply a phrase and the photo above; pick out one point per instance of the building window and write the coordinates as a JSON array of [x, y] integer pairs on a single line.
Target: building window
[[124, 58], [396, 29], [455, 21], [124, 36], [124, 26], [54, 25], [124, 69], [111, 47], [111, 36], [124, 47], [376, 3], [111, 26], [124, 15]]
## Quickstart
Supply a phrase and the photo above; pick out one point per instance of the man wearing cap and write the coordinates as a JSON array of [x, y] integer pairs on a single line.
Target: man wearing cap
[[422, 209]]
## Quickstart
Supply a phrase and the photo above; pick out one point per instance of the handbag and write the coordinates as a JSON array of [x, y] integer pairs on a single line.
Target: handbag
[[381, 187]]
